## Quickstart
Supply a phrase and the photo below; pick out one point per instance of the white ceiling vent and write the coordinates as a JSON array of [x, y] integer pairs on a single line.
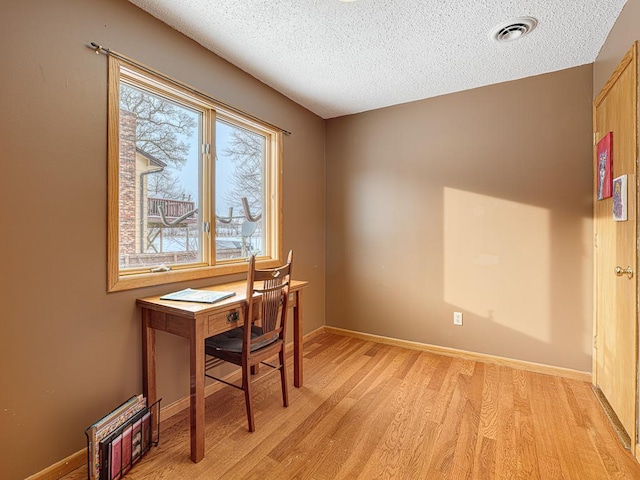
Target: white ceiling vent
[[513, 29]]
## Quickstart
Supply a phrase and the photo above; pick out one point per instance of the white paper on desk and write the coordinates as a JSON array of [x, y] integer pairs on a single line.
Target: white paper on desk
[[199, 296]]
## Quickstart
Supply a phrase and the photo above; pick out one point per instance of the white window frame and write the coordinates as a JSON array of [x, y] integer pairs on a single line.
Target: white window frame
[[125, 279]]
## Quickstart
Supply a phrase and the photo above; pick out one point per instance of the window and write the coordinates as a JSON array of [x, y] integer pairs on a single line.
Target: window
[[194, 187]]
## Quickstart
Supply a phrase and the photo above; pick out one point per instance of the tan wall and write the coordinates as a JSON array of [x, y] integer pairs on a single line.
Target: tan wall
[[70, 351], [623, 34], [478, 202]]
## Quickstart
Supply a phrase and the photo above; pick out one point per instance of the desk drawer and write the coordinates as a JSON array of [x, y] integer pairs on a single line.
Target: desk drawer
[[221, 322]]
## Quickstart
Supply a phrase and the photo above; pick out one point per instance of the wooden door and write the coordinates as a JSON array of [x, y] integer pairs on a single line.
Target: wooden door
[[615, 356]]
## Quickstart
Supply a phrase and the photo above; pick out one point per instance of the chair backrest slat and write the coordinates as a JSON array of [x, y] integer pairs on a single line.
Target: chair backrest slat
[[271, 301], [274, 295]]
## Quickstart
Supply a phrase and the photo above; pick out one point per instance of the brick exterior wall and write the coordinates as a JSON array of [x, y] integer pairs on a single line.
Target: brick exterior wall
[[127, 182]]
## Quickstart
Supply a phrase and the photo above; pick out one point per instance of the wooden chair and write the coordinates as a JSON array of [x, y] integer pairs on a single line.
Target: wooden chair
[[250, 345]]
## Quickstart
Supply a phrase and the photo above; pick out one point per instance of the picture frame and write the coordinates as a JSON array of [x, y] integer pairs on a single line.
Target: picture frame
[[620, 198], [604, 166]]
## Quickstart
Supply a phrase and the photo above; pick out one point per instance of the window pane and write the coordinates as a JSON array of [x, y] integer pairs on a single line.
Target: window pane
[[160, 169], [240, 163]]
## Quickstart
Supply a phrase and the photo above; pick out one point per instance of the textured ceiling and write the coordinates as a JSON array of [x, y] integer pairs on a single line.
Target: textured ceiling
[[337, 58]]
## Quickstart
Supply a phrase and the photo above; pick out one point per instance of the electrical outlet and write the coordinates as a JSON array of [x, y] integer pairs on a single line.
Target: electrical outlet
[[457, 318]]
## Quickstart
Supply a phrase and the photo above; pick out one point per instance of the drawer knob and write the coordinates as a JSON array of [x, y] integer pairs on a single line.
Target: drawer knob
[[232, 317]]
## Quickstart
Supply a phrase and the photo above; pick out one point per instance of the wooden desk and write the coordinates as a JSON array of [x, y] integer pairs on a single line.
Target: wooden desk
[[197, 321]]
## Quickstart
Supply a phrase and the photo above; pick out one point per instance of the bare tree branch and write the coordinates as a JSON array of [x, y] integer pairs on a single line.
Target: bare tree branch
[[162, 128], [246, 151], [161, 125]]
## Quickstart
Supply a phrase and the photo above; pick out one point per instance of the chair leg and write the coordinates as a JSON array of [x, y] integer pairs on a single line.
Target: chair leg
[[283, 378], [246, 386]]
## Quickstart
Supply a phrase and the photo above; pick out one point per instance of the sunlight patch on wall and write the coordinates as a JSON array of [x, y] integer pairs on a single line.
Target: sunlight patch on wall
[[497, 261]]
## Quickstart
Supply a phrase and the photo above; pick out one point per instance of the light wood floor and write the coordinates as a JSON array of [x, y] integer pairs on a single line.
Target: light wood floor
[[370, 411]]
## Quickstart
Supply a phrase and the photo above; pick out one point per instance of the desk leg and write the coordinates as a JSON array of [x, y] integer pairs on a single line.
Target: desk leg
[[297, 341], [149, 363], [197, 391]]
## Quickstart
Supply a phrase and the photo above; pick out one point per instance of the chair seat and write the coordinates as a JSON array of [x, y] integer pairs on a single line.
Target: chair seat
[[261, 342], [231, 341]]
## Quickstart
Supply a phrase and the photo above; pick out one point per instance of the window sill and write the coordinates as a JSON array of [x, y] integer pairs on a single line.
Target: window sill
[[140, 280]]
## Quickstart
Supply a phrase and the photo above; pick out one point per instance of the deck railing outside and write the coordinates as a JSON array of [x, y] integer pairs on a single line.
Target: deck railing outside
[[172, 208]]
